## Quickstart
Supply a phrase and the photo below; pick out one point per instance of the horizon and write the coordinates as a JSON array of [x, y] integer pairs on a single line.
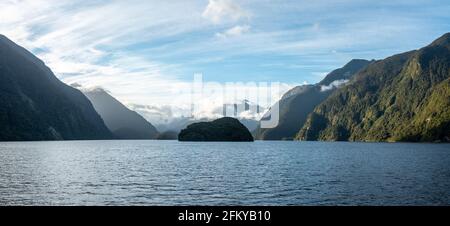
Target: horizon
[[146, 58], [224, 111]]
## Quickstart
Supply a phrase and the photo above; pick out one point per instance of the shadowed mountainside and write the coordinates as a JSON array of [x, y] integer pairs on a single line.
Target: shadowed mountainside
[[35, 105], [298, 103], [124, 123]]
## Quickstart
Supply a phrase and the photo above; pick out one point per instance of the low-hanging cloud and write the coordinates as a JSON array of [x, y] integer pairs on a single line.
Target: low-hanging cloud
[[334, 85]]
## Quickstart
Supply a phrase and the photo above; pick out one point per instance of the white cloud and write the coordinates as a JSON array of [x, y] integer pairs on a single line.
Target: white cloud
[[159, 115], [334, 85], [219, 11], [235, 31], [87, 43], [131, 47]]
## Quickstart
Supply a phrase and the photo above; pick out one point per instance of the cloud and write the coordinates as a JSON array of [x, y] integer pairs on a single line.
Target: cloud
[[334, 85], [89, 43], [235, 31], [209, 100], [145, 52], [158, 115], [218, 11]]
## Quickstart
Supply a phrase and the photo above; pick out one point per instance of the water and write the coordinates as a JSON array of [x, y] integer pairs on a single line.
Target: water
[[260, 173]]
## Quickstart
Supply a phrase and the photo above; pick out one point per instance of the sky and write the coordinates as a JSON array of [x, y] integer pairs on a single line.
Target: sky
[[144, 52]]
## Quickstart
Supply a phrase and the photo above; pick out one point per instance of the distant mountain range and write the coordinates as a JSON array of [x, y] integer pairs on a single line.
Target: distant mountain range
[[405, 97], [121, 121], [35, 105], [164, 119]]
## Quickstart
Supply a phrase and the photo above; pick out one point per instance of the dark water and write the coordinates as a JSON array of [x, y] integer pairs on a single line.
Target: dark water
[[262, 173]]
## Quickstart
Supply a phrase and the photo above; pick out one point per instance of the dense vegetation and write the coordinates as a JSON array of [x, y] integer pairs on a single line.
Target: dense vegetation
[[35, 105], [224, 129], [298, 103], [405, 97]]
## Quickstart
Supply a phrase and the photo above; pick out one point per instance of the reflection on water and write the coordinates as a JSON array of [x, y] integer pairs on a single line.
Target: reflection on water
[[260, 173]]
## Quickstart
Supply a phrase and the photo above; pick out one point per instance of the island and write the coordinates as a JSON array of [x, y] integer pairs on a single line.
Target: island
[[221, 130]]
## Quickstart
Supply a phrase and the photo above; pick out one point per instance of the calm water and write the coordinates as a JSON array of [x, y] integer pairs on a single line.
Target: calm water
[[261, 173]]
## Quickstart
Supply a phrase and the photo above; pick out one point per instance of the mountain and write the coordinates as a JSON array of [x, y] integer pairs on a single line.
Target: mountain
[[224, 129], [168, 135], [405, 97], [245, 111], [36, 106], [124, 123], [174, 119], [298, 103], [251, 124]]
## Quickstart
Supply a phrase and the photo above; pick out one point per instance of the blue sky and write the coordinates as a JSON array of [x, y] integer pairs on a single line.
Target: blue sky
[[136, 49]]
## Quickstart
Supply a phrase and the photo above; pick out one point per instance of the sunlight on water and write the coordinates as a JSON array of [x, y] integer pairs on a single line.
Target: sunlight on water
[[260, 173]]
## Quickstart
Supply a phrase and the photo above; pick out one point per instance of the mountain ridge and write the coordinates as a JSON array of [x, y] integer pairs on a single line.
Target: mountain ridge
[[36, 105], [299, 102], [121, 121], [404, 97]]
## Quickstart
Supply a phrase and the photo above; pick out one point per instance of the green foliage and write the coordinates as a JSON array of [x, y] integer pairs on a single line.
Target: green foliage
[[402, 98], [298, 103], [224, 129]]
